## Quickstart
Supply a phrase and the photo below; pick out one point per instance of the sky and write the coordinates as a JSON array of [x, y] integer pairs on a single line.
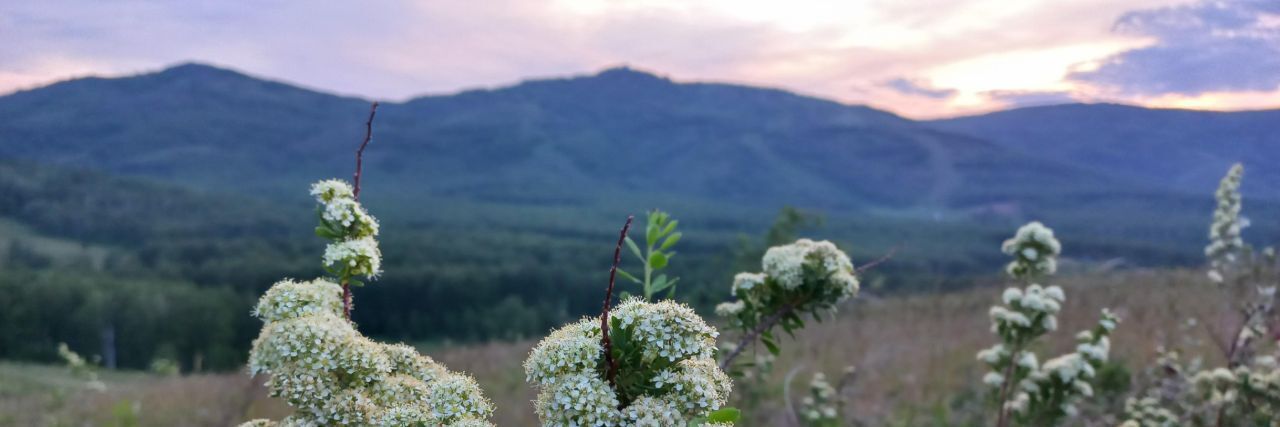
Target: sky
[[918, 58]]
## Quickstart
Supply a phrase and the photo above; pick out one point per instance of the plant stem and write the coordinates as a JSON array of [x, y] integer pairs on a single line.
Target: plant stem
[[648, 274], [755, 332], [612, 372], [355, 193], [887, 256], [1002, 419], [368, 136]]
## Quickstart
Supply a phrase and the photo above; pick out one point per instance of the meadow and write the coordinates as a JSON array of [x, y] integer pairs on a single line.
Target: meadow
[[914, 356]]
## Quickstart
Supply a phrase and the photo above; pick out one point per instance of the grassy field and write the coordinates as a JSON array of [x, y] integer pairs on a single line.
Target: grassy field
[[914, 355]]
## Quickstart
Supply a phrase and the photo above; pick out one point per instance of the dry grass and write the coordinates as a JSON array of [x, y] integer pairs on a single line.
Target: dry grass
[[912, 352]]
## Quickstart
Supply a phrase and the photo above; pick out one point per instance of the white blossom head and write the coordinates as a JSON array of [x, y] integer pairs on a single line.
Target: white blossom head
[[288, 299], [1034, 250], [665, 368], [354, 257], [332, 375], [331, 189]]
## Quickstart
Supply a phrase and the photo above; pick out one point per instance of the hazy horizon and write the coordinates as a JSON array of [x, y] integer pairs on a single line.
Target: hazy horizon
[[919, 60]]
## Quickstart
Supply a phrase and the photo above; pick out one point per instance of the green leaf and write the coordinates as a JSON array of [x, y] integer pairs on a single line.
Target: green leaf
[[657, 260], [624, 295], [628, 276], [670, 241], [659, 284], [325, 232], [769, 344], [671, 226], [651, 234], [725, 415], [672, 293], [631, 244]]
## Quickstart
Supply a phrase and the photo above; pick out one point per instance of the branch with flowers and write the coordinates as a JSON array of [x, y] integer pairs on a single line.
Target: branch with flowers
[[322, 366]]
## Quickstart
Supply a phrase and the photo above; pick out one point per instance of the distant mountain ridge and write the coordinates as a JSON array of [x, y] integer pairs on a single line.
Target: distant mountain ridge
[[623, 140], [1181, 150], [556, 139]]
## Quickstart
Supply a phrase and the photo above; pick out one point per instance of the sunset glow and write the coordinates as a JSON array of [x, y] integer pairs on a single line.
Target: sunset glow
[[919, 58]]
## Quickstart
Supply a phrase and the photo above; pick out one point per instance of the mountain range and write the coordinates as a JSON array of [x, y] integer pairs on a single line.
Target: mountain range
[[622, 140]]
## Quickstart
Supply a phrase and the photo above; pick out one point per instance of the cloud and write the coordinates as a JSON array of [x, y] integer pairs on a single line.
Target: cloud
[[1208, 46], [1029, 98], [918, 88], [853, 51]]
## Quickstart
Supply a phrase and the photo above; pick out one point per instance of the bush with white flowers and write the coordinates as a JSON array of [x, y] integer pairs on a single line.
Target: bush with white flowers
[[665, 373], [1026, 391], [330, 373], [803, 277], [821, 407], [1245, 392]]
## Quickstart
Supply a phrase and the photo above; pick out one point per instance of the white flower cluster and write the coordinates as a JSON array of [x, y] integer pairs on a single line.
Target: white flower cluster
[[360, 257], [1027, 314], [668, 354], [1254, 388], [1034, 250], [1052, 390], [819, 408], [353, 251], [1147, 412], [806, 261], [332, 375], [808, 275], [1225, 242]]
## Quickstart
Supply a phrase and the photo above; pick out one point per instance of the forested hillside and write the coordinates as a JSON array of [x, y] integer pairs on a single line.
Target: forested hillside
[[186, 188]]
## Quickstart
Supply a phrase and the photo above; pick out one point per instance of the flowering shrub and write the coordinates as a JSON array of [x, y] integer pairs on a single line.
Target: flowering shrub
[[802, 277], [1027, 391], [665, 373], [821, 407], [330, 373], [1245, 392]]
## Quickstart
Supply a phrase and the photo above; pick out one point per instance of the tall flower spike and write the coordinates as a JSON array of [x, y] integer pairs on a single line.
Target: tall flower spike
[[1225, 242]]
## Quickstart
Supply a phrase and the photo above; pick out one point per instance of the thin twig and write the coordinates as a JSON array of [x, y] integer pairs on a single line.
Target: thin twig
[[887, 256], [755, 332], [368, 136], [612, 373]]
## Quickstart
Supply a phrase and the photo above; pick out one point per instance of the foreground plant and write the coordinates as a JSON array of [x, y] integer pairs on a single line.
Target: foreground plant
[[1245, 392], [805, 277], [1027, 392], [324, 368], [641, 364]]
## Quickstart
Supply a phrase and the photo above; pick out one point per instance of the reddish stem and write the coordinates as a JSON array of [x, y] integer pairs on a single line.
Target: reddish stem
[[612, 373], [368, 136], [346, 301]]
